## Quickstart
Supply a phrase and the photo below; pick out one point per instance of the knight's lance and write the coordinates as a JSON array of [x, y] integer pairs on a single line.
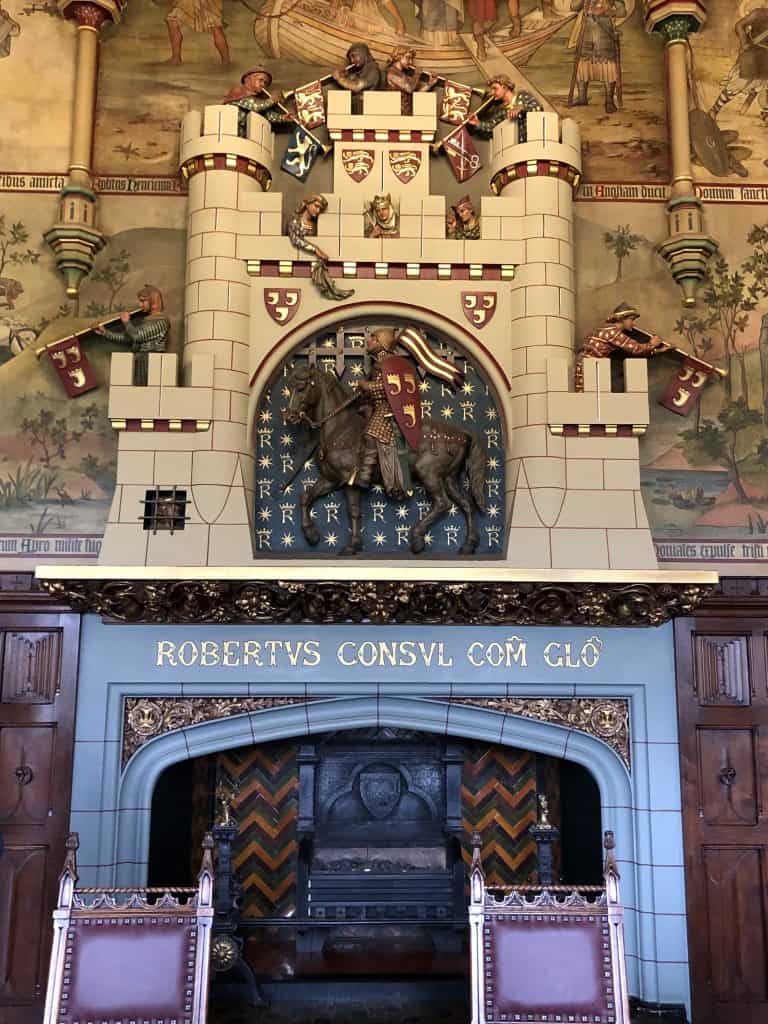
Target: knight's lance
[[85, 330], [437, 146]]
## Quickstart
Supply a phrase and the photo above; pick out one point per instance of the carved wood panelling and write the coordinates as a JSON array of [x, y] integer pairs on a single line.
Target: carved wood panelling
[[23, 900], [728, 792], [735, 894], [31, 666], [26, 758], [721, 669]]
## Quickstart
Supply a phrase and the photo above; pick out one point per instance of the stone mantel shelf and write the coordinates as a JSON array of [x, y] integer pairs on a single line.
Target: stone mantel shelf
[[328, 592]]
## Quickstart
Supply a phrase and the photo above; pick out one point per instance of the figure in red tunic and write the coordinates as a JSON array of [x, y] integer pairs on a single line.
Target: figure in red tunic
[[618, 334]]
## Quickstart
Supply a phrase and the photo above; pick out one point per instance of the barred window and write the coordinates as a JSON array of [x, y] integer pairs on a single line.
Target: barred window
[[165, 509]]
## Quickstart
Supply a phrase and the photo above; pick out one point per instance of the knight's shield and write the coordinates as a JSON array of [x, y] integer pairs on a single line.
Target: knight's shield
[[380, 792], [402, 389]]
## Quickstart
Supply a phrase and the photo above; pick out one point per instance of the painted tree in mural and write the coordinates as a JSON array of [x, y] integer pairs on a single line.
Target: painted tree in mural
[[621, 243], [730, 298], [113, 273], [726, 441], [13, 252]]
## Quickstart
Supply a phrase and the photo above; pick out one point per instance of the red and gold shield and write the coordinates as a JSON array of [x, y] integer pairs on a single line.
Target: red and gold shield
[[405, 164], [282, 303], [402, 388], [357, 162], [478, 307]]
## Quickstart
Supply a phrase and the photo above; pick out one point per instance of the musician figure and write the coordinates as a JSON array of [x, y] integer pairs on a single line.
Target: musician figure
[[509, 105], [252, 97], [618, 335], [392, 394], [361, 73], [401, 75], [149, 334]]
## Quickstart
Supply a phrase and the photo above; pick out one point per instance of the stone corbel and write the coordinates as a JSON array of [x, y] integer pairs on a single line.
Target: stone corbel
[[75, 237], [688, 248]]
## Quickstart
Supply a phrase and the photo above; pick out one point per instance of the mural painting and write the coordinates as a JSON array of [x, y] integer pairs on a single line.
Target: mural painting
[[705, 476], [163, 61], [57, 454]]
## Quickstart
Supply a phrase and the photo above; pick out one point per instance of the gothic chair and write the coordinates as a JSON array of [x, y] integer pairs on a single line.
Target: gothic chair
[[547, 954], [122, 955]]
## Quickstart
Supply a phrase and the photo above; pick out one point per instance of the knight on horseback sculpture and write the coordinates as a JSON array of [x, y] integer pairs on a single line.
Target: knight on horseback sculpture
[[392, 393]]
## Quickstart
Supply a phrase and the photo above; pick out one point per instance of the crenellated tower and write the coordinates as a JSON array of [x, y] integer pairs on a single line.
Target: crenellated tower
[[572, 482]]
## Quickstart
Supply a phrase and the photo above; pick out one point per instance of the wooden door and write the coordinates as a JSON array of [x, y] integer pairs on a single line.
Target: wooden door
[[723, 715], [38, 674]]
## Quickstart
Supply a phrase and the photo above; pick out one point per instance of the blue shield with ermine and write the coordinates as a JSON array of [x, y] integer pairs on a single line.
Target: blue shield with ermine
[[401, 385]]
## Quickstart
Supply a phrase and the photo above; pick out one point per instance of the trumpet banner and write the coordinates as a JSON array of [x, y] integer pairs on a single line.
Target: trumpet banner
[[72, 367], [685, 388]]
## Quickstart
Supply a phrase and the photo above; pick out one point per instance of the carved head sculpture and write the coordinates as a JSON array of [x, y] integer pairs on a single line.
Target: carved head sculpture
[[402, 57], [303, 394], [314, 204], [256, 80], [151, 300], [625, 314], [381, 341], [382, 207], [358, 55], [465, 210], [501, 87]]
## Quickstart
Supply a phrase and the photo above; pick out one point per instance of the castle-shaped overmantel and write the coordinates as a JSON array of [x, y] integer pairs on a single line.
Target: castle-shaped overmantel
[[572, 502]]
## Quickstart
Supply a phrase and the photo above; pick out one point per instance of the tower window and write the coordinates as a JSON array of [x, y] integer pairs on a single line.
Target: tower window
[[165, 509]]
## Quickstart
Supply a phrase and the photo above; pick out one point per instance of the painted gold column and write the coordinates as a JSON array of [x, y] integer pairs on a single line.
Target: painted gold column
[[688, 248], [75, 237]]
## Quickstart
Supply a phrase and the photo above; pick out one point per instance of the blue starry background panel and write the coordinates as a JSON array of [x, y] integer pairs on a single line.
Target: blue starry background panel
[[281, 450]]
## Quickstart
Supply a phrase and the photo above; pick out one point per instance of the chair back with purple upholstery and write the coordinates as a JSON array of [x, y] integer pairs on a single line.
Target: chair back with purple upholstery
[[552, 953], [130, 955]]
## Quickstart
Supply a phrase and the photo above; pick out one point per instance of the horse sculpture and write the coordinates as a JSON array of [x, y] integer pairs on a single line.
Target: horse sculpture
[[327, 405]]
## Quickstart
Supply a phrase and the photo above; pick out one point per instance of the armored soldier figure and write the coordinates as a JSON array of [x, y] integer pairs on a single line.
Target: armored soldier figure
[[394, 423], [149, 334], [598, 52], [618, 334], [749, 74]]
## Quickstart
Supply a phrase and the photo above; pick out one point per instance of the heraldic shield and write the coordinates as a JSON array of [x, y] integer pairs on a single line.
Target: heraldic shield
[[380, 792], [401, 387]]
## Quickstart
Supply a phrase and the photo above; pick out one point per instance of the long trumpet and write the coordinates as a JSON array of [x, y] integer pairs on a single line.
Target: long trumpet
[[321, 81], [84, 330], [437, 146], [677, 353]]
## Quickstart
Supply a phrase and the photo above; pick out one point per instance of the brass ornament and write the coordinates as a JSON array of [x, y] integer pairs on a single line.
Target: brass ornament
[[382, 601], [225, 952]]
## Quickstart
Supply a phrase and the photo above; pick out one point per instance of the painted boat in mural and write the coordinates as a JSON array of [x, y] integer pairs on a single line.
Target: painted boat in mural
[[305, 31]]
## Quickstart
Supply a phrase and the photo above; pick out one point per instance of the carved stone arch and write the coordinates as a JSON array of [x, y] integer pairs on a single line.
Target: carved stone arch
[[450, 330]]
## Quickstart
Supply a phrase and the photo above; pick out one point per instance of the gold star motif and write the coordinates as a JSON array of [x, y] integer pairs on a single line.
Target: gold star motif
[[379, 539], [446, 412]]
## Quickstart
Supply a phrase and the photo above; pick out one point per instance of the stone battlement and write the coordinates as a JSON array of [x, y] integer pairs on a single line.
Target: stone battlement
[[598, 405], [549, 138], [213, 131]]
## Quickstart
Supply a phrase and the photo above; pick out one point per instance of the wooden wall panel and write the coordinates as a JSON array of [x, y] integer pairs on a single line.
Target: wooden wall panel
[[723, 717]]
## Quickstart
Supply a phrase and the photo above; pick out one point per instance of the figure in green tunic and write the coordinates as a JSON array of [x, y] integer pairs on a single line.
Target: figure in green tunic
[[144, 335]]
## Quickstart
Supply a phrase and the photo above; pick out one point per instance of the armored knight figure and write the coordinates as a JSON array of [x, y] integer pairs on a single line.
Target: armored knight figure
[[749, 75], [598, 53], [618, 334], [252, 97], [149, 334], [510, 105], [392, 392]]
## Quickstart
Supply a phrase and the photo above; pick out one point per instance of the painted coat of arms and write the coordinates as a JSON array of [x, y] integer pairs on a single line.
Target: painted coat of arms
[[405, 164], [357, 163], [478, 307], [282, 303]]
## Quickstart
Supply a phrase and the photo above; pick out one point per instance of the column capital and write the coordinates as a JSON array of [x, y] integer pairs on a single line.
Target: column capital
[[92, 13], [675, 19]]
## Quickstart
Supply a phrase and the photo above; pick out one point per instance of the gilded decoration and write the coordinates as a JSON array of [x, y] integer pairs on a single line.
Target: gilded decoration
[[146, 718], [382, 601], [606, 719]]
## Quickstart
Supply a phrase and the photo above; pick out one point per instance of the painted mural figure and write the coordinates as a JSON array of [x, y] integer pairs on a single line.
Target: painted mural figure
[[252, 97], [361, 73], [9, 29], [149, 334], [440, 20], [382, 219], [302, 224], [463, 221], [618, 334], [199, 16], [510, 105], [749, 75], [598, 51]]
